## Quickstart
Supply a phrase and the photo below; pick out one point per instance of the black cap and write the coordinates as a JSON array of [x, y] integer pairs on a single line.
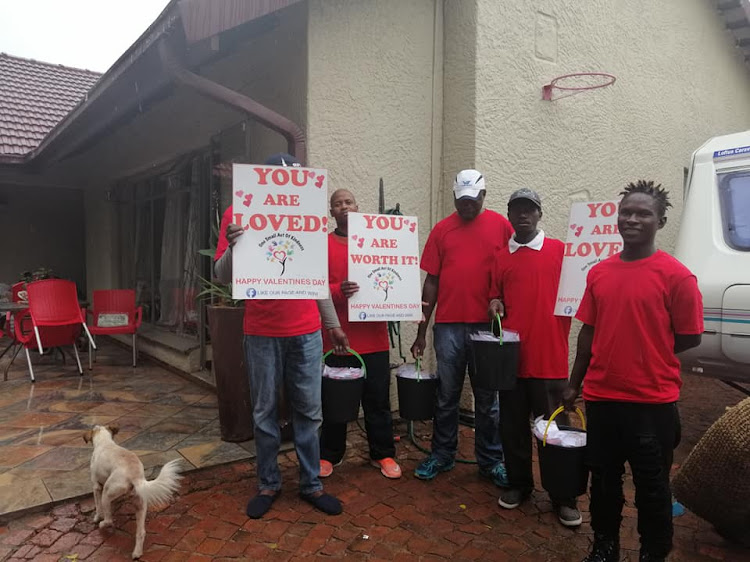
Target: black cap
[[282, 159], [526, 193]]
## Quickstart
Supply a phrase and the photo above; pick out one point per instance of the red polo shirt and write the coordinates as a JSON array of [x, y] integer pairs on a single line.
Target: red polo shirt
[[364, 337], [461, 254], [526, 281], [272, 317], [636, 308]]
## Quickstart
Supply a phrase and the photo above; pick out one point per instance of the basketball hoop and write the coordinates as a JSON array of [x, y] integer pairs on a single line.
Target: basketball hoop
[[577, 83]]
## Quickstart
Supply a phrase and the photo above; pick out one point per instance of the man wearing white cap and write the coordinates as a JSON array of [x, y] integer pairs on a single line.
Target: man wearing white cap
[[458, 261]]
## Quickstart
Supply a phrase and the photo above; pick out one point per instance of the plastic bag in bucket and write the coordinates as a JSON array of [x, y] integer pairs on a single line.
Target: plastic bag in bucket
[[416, 392], [342, 390], [562, 452], [495, 358]]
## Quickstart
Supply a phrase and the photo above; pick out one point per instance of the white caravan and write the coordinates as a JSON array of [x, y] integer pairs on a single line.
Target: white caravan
[[714, 242]]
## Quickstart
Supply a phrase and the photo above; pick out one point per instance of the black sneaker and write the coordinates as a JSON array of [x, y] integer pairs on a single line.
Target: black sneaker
[[513, 497], [604, 550]]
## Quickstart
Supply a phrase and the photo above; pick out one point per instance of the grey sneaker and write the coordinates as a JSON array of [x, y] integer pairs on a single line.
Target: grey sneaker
[[512, 498], [569, 516]]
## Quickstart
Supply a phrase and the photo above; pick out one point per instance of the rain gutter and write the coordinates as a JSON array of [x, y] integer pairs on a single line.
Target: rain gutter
[[293, 133]]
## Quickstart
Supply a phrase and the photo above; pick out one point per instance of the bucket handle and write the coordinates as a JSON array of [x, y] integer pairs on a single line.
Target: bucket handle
[[418, 368], [554, 415], [351, 352], [496, 318]]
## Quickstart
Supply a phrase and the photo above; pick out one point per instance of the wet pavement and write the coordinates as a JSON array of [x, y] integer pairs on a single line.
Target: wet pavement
[[455, 517], [161, 416]]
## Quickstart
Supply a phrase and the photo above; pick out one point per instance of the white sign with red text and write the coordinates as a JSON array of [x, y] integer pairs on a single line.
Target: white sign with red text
[[384, 262], [592, 237], [283, 253]]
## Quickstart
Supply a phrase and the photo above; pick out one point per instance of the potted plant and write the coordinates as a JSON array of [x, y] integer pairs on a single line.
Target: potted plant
[[225, 317]]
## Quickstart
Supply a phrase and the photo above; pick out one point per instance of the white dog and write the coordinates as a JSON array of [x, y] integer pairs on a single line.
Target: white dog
[[116, 472]]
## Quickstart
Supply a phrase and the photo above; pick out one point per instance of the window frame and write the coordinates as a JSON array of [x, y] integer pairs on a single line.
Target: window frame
[[728, 211]]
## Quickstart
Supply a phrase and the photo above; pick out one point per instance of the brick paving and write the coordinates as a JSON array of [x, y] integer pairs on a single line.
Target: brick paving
[[456, 517]]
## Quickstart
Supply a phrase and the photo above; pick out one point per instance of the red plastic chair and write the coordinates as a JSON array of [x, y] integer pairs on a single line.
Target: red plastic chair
[[107, 304], [56, 318], [15, 323]]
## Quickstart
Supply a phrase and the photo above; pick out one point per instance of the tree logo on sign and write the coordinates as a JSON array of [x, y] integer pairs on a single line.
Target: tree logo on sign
[[280, 252], [383, 281]]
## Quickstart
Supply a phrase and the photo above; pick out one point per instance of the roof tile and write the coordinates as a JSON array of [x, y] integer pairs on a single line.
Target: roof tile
[[34, 97]]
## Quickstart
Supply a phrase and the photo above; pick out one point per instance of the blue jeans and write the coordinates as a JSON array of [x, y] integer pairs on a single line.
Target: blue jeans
[[453, 351], [294, 362]]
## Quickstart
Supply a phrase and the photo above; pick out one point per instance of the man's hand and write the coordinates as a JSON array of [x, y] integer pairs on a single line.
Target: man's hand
[[349, 288], [417, 348], [234, 231], [339, 340], [569, 398], [496, 307]]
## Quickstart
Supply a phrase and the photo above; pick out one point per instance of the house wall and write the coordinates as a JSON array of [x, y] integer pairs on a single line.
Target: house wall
[[374, 103], [680, 80], [42, 227]]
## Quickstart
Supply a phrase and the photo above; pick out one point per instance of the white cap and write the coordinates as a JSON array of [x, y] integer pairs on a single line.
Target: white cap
[[468, 183]]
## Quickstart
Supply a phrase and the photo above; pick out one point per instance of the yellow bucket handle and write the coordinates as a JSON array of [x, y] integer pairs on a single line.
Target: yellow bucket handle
[[554, 415]]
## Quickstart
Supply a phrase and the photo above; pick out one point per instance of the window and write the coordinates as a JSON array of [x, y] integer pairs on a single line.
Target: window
[[734, 195]]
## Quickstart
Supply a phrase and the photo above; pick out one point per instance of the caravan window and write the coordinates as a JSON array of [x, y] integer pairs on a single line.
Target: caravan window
[[734, 193]]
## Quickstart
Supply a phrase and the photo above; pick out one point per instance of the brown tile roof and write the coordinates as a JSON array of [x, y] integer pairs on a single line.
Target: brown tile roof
[[34, 97]]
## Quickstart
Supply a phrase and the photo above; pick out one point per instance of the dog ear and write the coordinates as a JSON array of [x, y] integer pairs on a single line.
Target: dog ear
[[88, 436], [113, 429]]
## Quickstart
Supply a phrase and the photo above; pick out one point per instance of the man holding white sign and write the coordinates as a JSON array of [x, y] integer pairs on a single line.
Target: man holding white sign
[[370, 340], [283, 344]]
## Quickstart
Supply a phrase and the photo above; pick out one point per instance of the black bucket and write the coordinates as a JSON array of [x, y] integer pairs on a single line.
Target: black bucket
[[495, 363], [341, 397], [563, 469], [416, 397]]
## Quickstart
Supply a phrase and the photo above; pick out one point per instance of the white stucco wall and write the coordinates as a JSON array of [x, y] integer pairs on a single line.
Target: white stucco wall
[[374, 102], [680, 80]]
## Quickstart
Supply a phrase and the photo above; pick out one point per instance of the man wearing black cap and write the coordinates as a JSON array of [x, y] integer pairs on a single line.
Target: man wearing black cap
[[523, 290], [283, 346]]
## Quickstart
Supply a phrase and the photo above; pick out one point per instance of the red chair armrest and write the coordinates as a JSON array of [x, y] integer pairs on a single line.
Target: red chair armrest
[[17, 328]]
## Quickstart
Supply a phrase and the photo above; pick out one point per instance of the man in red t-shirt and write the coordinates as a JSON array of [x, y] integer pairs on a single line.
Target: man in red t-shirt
[[641, 307], [524, 290], [458, 260], [370, 340], [283, 346]]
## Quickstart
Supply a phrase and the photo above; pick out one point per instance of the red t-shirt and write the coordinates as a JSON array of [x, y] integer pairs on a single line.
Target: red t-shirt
[[636, 308], [461, 253], [364, 337], [526, 281], [272, 317]]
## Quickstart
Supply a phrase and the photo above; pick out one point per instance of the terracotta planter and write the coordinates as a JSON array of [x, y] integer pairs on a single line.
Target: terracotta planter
[[232, 386]]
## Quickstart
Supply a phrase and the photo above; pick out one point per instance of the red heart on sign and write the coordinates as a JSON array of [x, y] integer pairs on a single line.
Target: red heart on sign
[[248, 200], [280, 255], [319, 182], [239, 193], [412, 226], [383, 285]]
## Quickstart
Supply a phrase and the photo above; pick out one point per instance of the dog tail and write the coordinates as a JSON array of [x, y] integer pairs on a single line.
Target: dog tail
[[160, 490]]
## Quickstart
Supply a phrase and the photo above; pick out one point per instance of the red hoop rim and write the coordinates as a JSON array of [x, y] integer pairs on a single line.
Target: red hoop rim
[[611, 79]]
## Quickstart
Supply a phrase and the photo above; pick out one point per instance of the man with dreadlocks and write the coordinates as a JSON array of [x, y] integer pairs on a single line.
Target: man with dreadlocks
[[641, 307]]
